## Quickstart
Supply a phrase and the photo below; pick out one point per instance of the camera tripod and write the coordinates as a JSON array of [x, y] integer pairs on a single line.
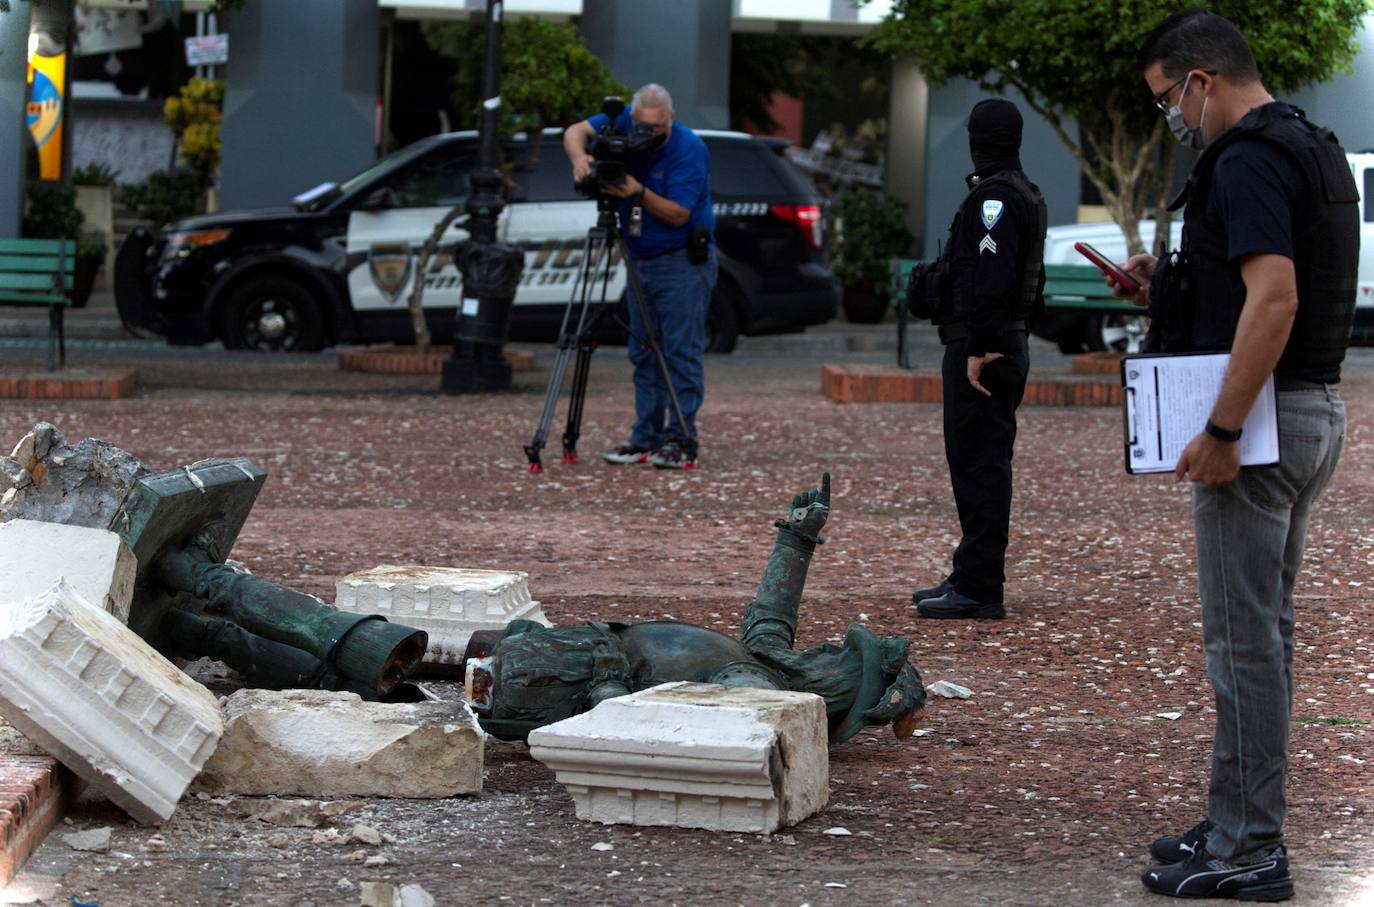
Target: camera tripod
[[579, 336]]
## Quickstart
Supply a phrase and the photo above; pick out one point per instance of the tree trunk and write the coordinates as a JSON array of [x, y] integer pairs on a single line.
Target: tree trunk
[[417, 313]]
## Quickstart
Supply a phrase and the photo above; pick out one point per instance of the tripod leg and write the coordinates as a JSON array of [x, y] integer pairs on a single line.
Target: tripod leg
[[689, 441], [575, 401]]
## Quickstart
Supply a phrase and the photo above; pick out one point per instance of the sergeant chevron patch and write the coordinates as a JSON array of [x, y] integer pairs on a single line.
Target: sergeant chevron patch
[[987, 245]]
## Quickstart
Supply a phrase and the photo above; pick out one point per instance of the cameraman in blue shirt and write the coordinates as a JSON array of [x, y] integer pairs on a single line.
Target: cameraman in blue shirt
[[667, 221]]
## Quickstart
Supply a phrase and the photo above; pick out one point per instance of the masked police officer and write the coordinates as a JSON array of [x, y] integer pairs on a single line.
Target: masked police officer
[[1268, 272], [983, 293]]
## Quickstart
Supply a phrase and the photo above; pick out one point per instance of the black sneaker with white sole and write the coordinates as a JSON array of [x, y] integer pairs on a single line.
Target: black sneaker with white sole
[[671, 456], [1177, 848], [627, 453], [1259, 876]]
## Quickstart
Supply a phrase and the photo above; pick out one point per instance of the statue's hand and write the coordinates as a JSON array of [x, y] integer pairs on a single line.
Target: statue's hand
[[809, 511]]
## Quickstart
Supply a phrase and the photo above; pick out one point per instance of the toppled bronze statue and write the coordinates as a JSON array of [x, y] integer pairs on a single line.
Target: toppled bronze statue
[[529, 675], [188, 602]]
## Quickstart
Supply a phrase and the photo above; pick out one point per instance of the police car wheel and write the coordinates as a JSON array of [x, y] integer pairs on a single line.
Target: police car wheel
[[270, 313], [1116, 333], [722, 321]]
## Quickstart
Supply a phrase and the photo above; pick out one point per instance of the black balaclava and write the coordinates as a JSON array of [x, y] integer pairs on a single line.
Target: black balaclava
[[994, 132]]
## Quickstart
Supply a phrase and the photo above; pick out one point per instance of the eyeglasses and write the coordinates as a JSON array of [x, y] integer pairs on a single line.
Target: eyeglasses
[[1161, 98]]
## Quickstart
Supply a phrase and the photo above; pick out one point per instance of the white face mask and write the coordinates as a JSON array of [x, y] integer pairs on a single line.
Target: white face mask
[[1188, 137]]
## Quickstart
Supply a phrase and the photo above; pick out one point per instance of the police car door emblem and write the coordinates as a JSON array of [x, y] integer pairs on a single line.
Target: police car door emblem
[[389, 264], [992, 213]]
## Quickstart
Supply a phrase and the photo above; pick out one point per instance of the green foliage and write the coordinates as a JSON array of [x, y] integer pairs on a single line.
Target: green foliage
[[832, 74], [548, 77], [194, 118], [872, 232], [166, 196], [91, 244], [98, 174], [50, 212]]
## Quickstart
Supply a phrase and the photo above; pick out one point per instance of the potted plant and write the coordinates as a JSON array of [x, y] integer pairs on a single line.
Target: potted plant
[[50, 212], [871, 232]]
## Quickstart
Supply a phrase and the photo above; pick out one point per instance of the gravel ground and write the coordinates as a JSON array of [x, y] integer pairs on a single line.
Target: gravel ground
[[1044, 788]]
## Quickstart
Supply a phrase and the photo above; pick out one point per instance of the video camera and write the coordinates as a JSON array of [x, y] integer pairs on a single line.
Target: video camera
[[611, 149]]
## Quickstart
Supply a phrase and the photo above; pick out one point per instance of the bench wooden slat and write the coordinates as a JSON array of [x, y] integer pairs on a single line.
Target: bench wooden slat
[[39, 263], [13, 281], [36, 246], [30, 297]]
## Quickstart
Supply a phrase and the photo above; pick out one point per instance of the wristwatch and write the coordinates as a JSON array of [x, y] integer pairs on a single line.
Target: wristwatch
[[1223, 434]]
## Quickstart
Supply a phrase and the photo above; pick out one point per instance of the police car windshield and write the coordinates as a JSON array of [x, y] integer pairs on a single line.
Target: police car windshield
[[376, 172]]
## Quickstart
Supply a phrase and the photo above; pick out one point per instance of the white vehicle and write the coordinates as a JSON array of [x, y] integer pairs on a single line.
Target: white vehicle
[[1123, 332]]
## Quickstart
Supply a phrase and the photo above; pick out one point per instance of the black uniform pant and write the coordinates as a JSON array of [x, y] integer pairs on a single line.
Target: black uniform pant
[[980, 433]]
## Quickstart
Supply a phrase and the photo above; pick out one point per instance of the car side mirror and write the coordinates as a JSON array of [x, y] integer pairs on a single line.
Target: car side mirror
[[379, 200]]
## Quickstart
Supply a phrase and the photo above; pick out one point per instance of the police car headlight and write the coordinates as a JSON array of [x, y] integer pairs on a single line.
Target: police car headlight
[[183, 243]]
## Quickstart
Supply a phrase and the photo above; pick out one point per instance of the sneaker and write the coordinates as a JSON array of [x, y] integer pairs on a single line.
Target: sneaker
[[1260, 876], [669, 456], [626, 453], [921, 595], [957, 605], [1177, 848]]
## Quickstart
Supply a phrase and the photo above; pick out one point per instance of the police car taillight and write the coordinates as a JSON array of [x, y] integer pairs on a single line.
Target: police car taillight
[[807, 218]]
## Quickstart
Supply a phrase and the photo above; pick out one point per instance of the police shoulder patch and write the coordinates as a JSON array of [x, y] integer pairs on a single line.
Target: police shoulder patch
[[992, 212]]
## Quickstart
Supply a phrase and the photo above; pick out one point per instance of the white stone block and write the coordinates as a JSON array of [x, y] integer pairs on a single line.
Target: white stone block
[[314, 743], [83, 686], [448, 603], [694, 755], [95, 563]]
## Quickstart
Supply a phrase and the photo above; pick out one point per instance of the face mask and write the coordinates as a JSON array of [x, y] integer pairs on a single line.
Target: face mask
[[1188, 137]]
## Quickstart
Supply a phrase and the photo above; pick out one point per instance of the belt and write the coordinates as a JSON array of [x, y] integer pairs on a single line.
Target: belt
[[960, 330], [1297, 384], [680, 248]]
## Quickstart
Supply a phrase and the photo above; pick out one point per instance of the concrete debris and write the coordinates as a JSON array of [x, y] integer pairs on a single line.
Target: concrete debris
[[838, 831], [949, 690], [603, 846], [365, 834], [94, 562], [155, 844], [376, 860], [279, 841], [386, 894], [447, 603], [83, 686], [81, 485], [694, 755], [323, 744], [328, 836], [95, 840], [300, 813]]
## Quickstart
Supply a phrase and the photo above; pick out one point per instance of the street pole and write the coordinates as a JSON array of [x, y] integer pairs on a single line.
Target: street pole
[[491, 270]]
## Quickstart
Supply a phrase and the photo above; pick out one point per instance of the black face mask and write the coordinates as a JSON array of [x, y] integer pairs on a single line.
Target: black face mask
[[994, 131], [642, 130]]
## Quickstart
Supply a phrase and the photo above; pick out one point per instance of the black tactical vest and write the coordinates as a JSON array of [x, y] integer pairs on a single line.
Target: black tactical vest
[[1033, 252], [1203, 312]]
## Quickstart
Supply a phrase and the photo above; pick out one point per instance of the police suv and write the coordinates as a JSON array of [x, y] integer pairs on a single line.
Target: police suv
[[1124, 332], [335, 267]]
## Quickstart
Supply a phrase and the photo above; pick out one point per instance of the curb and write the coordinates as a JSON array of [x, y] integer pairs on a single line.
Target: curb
[[401, 361], [1101, 363], [76, 384], [34, 792], [843, 385]]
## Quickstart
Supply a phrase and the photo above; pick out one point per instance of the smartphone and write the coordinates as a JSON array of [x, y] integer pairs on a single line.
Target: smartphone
[[1104, 264]]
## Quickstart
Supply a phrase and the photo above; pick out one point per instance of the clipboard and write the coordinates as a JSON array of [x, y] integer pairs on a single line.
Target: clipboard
[[1166, 401]]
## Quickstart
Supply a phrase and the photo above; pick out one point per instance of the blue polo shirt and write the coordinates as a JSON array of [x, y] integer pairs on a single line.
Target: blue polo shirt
[[680, 171]]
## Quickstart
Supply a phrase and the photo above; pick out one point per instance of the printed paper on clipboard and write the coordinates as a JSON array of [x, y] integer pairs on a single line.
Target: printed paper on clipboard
[[1167, 401]]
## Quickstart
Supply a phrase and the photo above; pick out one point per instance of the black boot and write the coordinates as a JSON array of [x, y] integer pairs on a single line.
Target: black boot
[[954, 604]]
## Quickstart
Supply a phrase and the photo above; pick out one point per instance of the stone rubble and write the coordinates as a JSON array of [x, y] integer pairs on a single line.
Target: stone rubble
[[448, 603], [316, 743], [95, 840], [95, 563], [47, 479], [694, 755], [85, 688]]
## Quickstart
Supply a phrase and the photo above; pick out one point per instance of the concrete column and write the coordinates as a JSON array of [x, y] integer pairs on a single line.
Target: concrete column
[[1048, 163], [300, 100], [685, 47], [906, 145], [14, 43]]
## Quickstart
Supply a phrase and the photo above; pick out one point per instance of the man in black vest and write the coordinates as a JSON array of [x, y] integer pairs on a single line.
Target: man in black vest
[[983, 293], [1267, 271]]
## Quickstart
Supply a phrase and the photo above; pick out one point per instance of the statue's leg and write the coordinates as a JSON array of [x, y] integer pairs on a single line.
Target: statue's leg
[[263, 663], [770, 621]]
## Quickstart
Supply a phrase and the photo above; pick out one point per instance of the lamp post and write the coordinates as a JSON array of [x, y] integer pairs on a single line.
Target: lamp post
[[491, 270]]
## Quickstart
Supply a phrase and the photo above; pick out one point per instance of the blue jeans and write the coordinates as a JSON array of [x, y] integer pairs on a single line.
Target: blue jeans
[[677, 295], [1250, 537]]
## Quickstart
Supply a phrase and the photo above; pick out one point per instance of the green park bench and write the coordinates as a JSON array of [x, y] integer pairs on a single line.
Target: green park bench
[[36, 272], [1076, 287]]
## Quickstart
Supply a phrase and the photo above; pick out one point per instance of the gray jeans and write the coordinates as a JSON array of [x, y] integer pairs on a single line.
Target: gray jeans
[[1250, 537]]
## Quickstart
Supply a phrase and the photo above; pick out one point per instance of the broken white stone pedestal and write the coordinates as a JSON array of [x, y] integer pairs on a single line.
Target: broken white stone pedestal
[[95, 563], [448, 603], [694, 755], [85, 688], [319, 744]]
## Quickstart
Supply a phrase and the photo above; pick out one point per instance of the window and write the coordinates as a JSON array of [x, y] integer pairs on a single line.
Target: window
[[1368, 198], [438, 180], [739, 169], [545, 179]]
